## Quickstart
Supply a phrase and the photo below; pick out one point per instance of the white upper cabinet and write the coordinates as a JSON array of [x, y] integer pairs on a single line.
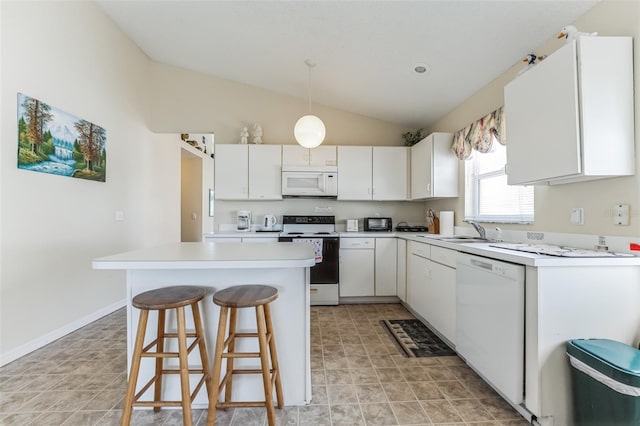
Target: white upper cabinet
[[570, 117], [354, 171], [248, 172], [265, 172], [372, 173], [295, 155], [232, 172], [434, 168], [390, 173]]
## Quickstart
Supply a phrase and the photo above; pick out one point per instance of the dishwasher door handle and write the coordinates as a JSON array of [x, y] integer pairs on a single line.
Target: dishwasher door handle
[[480, 264]]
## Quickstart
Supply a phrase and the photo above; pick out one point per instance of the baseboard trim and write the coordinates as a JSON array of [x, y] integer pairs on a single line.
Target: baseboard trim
[[368, 299], [41, 341]]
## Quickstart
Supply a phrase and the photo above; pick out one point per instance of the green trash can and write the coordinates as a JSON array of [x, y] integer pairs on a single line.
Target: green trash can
[[605, 378]]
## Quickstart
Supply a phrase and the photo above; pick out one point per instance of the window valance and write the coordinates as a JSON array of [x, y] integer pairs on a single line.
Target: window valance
[[480, 134]]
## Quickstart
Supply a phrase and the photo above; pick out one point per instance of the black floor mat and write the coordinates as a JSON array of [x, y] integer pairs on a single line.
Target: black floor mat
[[415, 339]]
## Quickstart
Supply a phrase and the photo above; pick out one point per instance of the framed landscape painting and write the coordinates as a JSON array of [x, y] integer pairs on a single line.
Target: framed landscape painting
[[56, 142]]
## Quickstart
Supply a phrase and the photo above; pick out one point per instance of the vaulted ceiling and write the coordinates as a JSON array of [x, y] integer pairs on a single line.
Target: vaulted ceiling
[[365, 51]]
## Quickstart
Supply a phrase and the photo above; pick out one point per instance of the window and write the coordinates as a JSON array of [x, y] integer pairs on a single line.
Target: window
[[488, 198]]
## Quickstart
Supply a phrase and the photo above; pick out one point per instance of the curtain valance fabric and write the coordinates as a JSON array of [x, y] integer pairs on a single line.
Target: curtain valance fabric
[[480, 134]]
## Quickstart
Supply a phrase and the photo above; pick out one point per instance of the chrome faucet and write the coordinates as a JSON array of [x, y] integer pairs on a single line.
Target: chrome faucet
[[478, 228]]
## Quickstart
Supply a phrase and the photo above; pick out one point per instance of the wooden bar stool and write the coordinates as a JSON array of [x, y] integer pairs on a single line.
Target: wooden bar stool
[[229, 300], [176, 297]]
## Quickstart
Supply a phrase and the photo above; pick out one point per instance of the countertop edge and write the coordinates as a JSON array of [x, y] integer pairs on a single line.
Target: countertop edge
[[522, 258], [211, 256]]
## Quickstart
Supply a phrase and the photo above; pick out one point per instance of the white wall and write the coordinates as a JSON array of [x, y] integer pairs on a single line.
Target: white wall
[[69, 55], [553, 203], [190, 198], [181, 100]]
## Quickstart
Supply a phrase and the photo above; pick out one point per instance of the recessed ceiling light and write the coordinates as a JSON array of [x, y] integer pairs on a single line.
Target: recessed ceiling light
[[422, 68]]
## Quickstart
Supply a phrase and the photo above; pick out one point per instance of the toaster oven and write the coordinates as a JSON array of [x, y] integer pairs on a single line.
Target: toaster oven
[[382, 224]]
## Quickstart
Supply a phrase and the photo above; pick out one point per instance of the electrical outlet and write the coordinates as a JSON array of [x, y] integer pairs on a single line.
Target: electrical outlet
[[621, 214]]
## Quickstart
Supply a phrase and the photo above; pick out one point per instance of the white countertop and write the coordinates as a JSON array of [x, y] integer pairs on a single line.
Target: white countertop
[[212, 256], [479, 249], [522, 258]]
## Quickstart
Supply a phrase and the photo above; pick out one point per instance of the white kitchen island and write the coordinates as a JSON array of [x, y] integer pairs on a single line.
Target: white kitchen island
[[216, 266]]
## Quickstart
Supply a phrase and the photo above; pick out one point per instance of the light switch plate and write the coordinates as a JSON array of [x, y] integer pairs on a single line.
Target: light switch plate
[[577, 216]]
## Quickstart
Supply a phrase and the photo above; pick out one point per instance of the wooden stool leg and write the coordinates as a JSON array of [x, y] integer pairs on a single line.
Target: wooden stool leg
[[204, 358], [157, 393], [264, 360], [274, 355], [135, 368], [184, 366], [217, 365], [232, 347]]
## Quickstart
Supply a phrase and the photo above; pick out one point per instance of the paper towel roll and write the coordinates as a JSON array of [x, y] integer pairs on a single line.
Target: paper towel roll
[[446, 223]]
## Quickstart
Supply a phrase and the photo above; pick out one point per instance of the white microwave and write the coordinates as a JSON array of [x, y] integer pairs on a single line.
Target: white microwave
[[300, 181]]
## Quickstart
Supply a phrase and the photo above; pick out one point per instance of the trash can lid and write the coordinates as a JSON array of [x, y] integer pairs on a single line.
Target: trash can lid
[[614, 359]]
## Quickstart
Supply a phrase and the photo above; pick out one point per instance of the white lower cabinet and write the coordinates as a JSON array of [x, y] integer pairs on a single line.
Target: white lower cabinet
[[357, 267], [417, 276], [431, 286], [441, 296], [401, 270], [385, 269]]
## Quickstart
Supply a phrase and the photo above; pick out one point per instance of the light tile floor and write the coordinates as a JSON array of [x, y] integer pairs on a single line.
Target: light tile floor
[[359, 377]]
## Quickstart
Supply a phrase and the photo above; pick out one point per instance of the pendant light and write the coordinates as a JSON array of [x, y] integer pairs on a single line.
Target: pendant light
[[309, 130]]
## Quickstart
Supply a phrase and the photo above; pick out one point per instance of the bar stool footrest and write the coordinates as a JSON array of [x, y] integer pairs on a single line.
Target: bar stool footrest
[[154, 379], [146, 354], [236, 404]]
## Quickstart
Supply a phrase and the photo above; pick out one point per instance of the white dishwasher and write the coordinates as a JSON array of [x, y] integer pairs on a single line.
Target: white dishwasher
[[490, 321]]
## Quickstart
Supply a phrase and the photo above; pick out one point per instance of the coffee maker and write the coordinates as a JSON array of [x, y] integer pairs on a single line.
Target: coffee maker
[[244, 221]]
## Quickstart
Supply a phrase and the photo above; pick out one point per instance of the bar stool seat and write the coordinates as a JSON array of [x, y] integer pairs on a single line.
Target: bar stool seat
[[162, 299], [230, 300]]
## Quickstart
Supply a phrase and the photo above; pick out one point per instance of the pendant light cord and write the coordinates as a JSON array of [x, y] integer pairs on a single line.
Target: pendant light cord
[[309, 66]]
